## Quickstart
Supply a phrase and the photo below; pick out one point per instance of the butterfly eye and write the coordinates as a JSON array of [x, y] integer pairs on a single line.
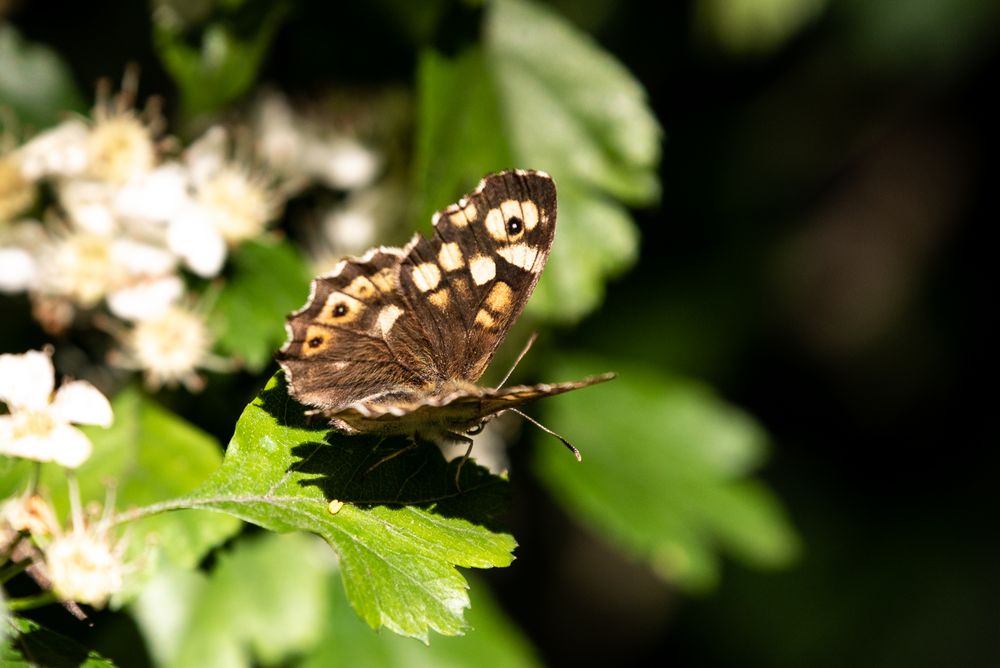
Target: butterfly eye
[[477, 429], [339, 310], [514, 225]]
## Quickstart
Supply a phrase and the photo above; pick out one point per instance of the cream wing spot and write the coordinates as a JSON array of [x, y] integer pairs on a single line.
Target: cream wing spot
[[499, 297], [520, 255], [440, 298], [483, 269], [426, 276], [361, 288], [485, 319], [387, 318], [450, 257]]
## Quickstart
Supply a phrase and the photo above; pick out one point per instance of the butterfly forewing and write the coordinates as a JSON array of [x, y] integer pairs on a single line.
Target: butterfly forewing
[[468, 284]]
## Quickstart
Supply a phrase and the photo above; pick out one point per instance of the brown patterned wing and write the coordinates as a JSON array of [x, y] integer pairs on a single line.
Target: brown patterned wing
[[468, 284], [350, 342], [455, 411]]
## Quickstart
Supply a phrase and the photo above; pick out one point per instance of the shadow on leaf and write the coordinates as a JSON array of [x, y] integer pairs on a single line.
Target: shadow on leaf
[[369, 470]]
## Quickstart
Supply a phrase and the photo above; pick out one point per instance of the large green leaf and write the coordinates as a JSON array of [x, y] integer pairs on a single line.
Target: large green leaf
[[457, 142], [32, 645], [34, 83], [399, 527], [268, 279], [540, 94], [571, 108], [265, 599], [665, 473], [344, 641]]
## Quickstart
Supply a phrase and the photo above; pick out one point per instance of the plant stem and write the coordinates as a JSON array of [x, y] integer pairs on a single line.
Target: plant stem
[[29, 602], [14, 569]]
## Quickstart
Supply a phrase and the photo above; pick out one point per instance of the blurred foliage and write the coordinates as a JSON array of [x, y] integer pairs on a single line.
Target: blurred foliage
[[252, 297], [676, 489], [35, 84]]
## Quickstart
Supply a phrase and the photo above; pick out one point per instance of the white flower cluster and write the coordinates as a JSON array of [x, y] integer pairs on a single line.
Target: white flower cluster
[[128, 218]]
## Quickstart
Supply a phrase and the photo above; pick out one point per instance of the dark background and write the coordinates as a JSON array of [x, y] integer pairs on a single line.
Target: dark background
[[818, 255]]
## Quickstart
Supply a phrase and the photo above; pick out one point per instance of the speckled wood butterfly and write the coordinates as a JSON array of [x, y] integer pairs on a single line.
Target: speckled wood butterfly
[[393, 342]]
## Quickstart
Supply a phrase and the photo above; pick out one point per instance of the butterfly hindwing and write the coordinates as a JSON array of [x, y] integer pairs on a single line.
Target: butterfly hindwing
[[337, 352]]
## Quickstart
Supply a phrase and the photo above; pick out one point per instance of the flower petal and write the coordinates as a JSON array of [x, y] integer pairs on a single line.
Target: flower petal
[[68, 446], [147, 300], [18, 269], [193, 236], [26, 380], [80, 402]]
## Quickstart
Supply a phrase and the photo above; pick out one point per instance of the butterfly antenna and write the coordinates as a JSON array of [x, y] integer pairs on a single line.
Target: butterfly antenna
[[527, 347], [572, 448]]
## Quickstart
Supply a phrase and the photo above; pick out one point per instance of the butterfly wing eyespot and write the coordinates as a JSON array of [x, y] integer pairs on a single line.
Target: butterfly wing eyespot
[[514, 226], [340, 310]]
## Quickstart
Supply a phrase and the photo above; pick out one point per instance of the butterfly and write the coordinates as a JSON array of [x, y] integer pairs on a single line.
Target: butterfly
[[394, 341]]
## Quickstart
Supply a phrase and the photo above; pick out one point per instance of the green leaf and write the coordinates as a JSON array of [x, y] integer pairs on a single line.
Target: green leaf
[[344, 641], [33, 645], [267, 280], [403, 525], [220, 64], [263, 601], [457, 143], [34, 82], [665, 473], [571, 108], [540, 94], [151, 455]]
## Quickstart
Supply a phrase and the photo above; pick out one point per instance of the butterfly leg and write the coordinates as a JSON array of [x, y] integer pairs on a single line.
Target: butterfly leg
[[412, 445], [460, 438]]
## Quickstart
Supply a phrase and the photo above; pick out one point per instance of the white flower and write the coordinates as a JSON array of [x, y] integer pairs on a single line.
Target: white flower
[[59, 151], [146, 300], [20, 245], [341, 162], [227, 204], [38, 426], [85, 566], [88, 205], [155, 196], [16, 192], [18, 269], [120, 146], [170, 348]]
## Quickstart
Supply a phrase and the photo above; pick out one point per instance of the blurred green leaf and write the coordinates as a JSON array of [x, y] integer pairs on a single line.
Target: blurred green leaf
[[221, 65], [33, 645], [749, 26], [263, 601], [399, 529], [34, 82], [345, 642], [266, 282], [457, 143], [571, 108], [543, 95], [664, 473]]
